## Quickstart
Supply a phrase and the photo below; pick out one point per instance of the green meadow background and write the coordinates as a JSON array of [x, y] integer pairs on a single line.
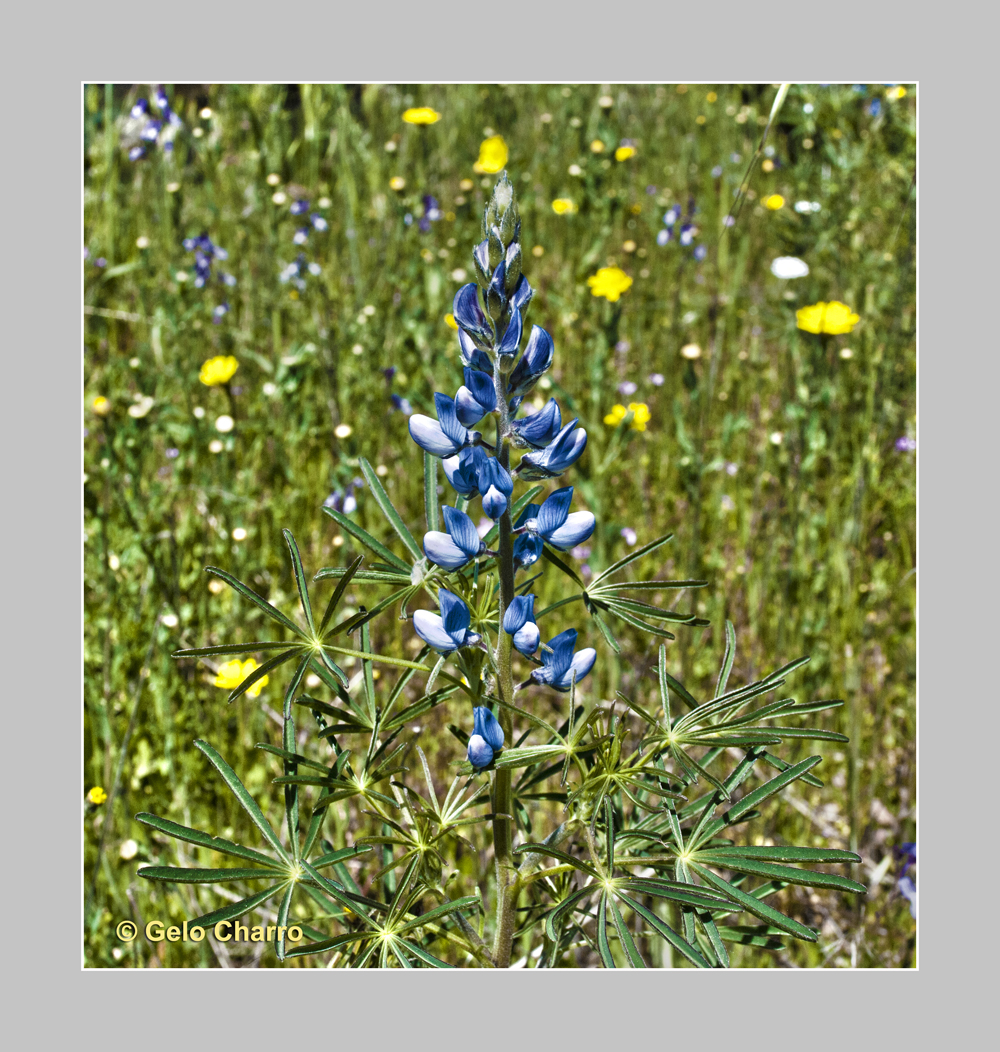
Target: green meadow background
[[771, 456]]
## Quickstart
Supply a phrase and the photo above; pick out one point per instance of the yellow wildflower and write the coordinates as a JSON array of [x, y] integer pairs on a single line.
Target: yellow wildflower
[[397, 182], [896, 93], [421, 115], [609, 282], [233, 673], [640, 415], [623, 153], [97, 795], [449, 320], [597, 146], [101, 405], [492, 155], [563, 206], [218, 370], [833, 318], [774, 202]]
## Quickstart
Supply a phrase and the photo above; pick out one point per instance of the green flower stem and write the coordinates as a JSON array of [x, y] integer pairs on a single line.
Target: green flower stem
[[503, 802]]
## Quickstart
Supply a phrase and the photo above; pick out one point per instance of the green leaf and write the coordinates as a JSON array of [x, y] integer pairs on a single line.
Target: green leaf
[[775, 785], [246, 800], [553, 852], [229, 648], [367, 540], [338, 593], [380, 495], [686, 894], [561, 910], [258, 600], [752, 935], [513, 758], [567, 570], [603, 626], [666, 932], [202, 876], [789, 874], [625, 938], [680, 689], [235, 909], [427, 958], [727, 661], [603, 946], [781, 854], [300, 579], [386, 576], [214, 843], [721, 953], [431, 491], [632, 556], [385, 660], [332, 857], [753, 905], [283, 908], [466, 903], [261, 671]]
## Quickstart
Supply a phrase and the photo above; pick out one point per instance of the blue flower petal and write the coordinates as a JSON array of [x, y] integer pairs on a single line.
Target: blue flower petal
[[494, 503], [537, 357], [520, 611], [553, 512], [428, 435], [575, 530], [527, 638], [455, 615], [461, 471], [479, 753], [462, 530], [539, 429], [431, 630], [582, 663], [512, 337], [486, 725]]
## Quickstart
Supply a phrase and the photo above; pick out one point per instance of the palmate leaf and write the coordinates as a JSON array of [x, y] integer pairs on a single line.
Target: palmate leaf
[[753, 905], [213, 843]]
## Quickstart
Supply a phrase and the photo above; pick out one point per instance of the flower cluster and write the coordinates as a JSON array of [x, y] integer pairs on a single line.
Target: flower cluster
[[204, 253], [680, 227], [143, 129], [313, 221], [295, 272], [498, 374]]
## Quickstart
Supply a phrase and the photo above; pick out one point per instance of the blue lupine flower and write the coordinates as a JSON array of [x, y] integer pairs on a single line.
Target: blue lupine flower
[[140, 109], [556, 457], [472, 356], [455, 548], [907, 852], [319, 222], [860, 88], [402, 405], [875, 107], [527, 546], [688, 233], [486, 738], [495, 484], [445, 436], [469, 314], [557, 526], [448, 631], [663, 237], [462, 472], [298, 207], [152, 130], [672, 215], [539, 429], [475, 398], [559, 663], [343, 500], [908, 889], [219, 313], [512, 335], [301, 236], [136, 152], [536, 359], [700, 253], [519, 622]]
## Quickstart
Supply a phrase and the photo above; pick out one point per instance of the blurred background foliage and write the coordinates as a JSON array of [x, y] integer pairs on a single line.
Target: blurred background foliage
[[772, 454]]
